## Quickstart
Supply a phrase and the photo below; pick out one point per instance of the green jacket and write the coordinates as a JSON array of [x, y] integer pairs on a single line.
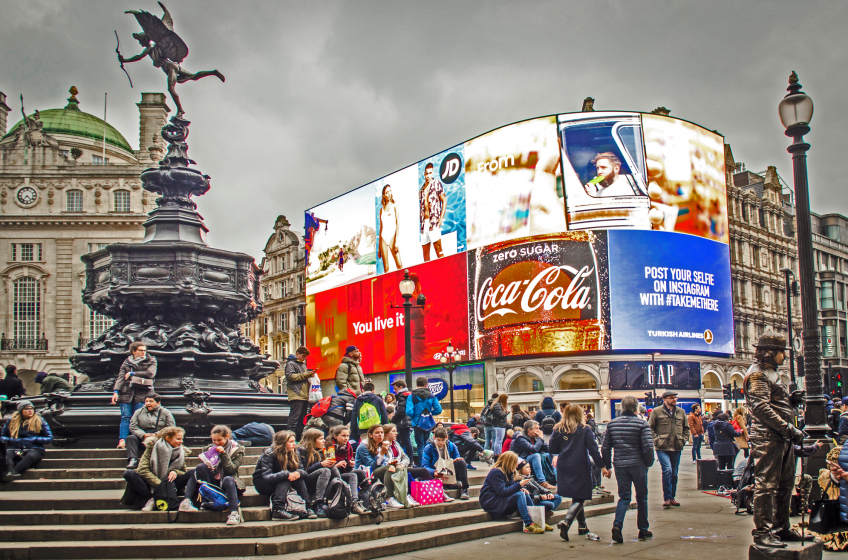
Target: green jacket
[[144, 465], [53, 383], [670, 432], [297, 379], [230, 463]]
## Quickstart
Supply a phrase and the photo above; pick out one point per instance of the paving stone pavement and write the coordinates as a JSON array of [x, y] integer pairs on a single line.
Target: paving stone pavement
[[703, 526]]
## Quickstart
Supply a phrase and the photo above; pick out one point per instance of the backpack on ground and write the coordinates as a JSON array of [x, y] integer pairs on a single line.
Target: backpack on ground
[[373, 497], [295, 504], [321, 408], [338, 498], [368, 416], [212, 497], [547, 424]]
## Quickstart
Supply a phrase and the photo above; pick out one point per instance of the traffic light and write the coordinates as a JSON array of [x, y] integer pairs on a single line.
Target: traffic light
[[649, 400], [837, 382], [738, 394], [728, 392]]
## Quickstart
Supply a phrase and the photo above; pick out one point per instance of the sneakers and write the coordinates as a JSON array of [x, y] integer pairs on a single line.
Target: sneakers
[[149, 506], [11, 476], [666, 504], [464, 495], [319, 511], [245, 443], [234, 518], [122, 444], [132, 464], [548, 527], [282, 515], [548, 486], [411, 501], [359, 509], [533, 528], [309, 514], [392, 503], [645, 534], [616, 534], [448, 499], [470, 467], [674, 502], [186, 505]]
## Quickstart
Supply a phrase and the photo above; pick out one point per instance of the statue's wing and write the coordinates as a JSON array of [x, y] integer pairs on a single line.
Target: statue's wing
[[169, 43], [166, 17]]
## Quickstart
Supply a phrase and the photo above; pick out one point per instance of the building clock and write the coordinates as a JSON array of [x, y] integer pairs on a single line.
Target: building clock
[[27, 196]]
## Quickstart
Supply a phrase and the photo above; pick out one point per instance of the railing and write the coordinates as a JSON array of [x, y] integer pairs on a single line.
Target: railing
[[10, 344]]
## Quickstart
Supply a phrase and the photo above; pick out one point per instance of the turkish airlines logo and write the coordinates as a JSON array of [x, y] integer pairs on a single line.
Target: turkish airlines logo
[[533, 291]]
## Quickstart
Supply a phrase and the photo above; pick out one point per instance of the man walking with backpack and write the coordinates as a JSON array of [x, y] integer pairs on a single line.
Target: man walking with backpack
[[368, 410], [421, 406], [400, 419], [548, 416]]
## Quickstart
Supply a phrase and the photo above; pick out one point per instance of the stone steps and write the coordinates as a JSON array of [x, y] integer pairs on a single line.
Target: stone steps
[[115, 463], [85, 453]]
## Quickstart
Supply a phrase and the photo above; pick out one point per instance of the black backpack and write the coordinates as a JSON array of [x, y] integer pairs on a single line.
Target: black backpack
[[339, 499], [547, 424], [485, 415], [374, 496]]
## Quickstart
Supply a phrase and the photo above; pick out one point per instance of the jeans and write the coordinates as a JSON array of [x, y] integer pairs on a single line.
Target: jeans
[[404, 439], [127, 410], [421, 438], [670, 461], [696, 446], [29, 458], [535, 461], [638, 477], [468, 449], [497, 445], [135, 447], [519, 502], [201, 473], [297, 412], [316, 482], [551, 505], [281, 492], [145, 492], [489, 434]]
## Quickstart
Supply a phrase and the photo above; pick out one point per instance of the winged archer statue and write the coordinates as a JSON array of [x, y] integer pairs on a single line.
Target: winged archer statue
[[166, 49]]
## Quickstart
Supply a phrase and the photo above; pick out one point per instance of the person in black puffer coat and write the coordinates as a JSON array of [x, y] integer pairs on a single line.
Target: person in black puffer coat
[[278, 471], [341, 407], [725, 448], [499, 422], [631, 438], [400, 419]]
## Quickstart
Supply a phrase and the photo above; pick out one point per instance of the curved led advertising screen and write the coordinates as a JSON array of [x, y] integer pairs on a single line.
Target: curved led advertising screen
[[582, 232]]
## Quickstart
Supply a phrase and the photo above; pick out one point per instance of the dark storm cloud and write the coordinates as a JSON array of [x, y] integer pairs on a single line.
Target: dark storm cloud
[[322, 97]]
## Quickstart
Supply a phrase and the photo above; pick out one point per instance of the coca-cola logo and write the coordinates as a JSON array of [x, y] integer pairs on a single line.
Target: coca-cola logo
[[534, 291]]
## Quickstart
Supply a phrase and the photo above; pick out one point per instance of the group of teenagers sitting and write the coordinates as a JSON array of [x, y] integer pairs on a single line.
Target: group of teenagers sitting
[[294, 475]]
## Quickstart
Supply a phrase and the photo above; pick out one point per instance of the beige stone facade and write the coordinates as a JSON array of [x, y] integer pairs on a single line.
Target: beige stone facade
[[60, 199], [277, 331]]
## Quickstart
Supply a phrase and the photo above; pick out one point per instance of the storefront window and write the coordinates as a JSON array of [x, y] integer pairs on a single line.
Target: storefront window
[[526, 383], [468, 389], [711, 381], [576, 381]]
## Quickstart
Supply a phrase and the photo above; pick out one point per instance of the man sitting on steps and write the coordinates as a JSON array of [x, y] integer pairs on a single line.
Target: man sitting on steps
[[145, 423]]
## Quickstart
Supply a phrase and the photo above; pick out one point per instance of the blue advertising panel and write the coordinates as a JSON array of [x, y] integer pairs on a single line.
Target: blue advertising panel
[[669, 291]]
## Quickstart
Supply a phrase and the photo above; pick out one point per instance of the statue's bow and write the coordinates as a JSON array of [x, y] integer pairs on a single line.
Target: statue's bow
[[118, 51]]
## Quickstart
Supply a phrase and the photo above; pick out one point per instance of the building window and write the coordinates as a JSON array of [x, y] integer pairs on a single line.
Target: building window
[[826, 301], [840, 296], [300, 284], [576, 381], [92, 247], [526, 383], [122, 201], [98, 324], [99, 160], [284, 321], [73, 201], [26, 252], [26, 308]]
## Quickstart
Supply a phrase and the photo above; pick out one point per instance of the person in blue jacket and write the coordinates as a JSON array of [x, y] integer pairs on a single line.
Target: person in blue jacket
[[548, 409], [502, 496], [438, 448], [421, 406], [25, 436]]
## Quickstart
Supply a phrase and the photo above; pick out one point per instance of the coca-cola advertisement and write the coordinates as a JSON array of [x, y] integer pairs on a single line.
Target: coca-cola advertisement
[[540, 295], [361, 314]]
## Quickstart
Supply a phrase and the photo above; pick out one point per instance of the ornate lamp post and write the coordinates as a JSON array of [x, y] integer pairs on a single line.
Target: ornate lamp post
[[407, 288], [787, 272], [796, 112], [448, 358]]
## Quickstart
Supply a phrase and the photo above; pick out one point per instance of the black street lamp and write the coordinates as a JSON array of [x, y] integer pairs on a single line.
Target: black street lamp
[[790, 290], [796, 111], [407, 288], [448, 358]]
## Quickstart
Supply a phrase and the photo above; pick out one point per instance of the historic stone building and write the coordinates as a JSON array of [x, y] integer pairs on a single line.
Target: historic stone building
[[830, 248], [277, 331], [69, 185]]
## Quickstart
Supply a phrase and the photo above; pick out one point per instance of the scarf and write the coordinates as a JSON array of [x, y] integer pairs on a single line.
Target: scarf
[[135, 361], [394, 450], [164, 459], [230, 449]]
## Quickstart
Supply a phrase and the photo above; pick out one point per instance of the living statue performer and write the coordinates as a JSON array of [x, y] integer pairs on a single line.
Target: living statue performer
[[772, 434], [166, 52]]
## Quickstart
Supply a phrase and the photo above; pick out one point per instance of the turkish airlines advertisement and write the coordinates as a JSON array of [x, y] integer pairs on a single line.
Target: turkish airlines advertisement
[[361, 315]]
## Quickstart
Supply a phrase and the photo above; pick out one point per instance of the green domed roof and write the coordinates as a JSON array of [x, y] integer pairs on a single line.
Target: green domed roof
[[72, 121]]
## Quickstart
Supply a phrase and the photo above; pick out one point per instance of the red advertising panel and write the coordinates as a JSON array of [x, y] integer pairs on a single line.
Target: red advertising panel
[[360, 314]]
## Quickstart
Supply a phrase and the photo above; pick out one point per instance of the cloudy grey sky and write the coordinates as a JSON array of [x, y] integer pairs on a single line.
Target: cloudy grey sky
[[322, 97]]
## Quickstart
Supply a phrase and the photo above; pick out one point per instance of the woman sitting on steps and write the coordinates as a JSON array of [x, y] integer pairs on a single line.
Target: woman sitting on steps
[[277, 473]]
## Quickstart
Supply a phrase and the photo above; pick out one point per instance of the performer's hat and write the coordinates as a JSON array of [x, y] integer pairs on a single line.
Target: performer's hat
[[770, 340]]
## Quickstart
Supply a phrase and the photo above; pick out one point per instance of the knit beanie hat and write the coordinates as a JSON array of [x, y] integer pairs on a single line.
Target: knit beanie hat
[[24, 404]]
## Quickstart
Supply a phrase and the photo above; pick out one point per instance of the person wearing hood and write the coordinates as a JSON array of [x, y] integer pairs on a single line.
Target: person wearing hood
[[341, 409], [725, 449], [400, 419], [548, 411], [255, 433], [460, 435], [52, 383], [421, 406], [24, 435], [297, 389], [163, 461], [349, 373], [133, 385], [368, 410], [11, 385], [146, 423], [530, 446]]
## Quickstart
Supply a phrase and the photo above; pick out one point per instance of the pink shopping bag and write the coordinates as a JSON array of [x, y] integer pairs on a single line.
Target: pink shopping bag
[[427, 492]]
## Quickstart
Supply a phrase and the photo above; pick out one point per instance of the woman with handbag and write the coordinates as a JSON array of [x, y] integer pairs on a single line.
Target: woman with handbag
[[572, 443], [724, 448], [219, 465], [501, 495], [277, 473], [320, 467], [163, 463], [133, 385], [390, 434], [739, 423]]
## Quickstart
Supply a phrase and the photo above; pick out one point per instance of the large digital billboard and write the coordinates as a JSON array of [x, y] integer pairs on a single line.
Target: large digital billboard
[[537, 235]]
